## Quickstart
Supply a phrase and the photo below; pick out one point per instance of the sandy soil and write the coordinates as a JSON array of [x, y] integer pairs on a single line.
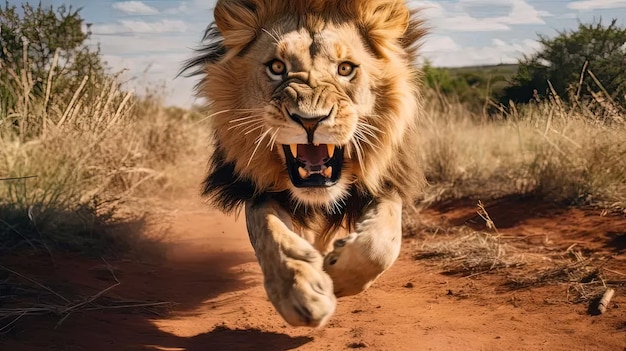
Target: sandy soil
[[211, 274]]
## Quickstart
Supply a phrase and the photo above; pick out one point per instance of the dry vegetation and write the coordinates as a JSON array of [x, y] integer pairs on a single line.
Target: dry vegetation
[[75, 168], [69, 163], [568, 153]]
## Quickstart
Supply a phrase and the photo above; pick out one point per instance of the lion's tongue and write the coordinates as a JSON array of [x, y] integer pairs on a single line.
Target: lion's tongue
[[313, 155]]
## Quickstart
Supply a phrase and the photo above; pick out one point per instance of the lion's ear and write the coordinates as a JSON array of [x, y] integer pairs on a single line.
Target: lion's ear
[[238, 21], [384, 20]]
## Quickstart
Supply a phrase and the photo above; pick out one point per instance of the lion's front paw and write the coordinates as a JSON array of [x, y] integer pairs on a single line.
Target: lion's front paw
[[302, 293], [355, 263]]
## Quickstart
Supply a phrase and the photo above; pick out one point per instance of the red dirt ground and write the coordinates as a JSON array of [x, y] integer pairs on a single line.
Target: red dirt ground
[[211, 273]]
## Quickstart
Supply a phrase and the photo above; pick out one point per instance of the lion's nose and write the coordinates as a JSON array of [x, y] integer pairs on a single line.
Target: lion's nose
[[309, 123]]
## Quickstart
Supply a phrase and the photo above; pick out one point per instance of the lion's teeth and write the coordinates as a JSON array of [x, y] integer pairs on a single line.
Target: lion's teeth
[[316, 145], [294, 150], [331, 150], [303, 173], [328, 172]]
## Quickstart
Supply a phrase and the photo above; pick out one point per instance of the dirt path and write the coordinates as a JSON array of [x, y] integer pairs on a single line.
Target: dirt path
[[212, 275]]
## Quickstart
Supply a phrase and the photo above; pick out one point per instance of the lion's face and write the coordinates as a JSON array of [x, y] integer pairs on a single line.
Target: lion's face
[[312, 97], [313, 88]]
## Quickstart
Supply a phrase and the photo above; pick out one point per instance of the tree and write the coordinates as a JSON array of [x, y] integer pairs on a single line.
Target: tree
[[44, 33], [597, 49]]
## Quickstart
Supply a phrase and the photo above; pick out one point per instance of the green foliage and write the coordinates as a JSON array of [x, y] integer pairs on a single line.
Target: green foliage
[[62, 120], [472, 86], [36, 42], [576, 63]]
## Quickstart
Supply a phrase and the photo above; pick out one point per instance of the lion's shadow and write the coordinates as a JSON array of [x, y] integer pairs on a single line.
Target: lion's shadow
[[223, 338]]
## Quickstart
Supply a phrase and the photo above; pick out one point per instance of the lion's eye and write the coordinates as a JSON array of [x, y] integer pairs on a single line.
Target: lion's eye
[[345, 69], [276, 69]]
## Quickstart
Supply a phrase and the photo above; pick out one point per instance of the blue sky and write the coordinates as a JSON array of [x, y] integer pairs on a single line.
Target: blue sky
[[151, 38]]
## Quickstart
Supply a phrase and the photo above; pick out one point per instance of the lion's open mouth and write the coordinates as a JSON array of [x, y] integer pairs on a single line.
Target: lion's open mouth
[[312, 165]]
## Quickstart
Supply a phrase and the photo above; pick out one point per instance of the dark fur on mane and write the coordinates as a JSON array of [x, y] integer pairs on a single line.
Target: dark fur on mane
[[211, 51], [229, 192]]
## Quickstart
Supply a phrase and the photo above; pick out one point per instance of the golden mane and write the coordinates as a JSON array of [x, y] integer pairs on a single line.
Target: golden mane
[[241, 170]]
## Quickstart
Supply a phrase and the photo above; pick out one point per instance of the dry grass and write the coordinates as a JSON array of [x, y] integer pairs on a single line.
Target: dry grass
[[573, 154], [465, 251], [55, 304], [69, 164]]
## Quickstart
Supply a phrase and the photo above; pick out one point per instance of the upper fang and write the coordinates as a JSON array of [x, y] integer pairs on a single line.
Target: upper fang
[[294, 150], [331, 150]]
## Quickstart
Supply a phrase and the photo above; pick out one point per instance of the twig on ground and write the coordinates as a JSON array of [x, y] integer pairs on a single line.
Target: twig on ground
[[605, 300], [35, 282], [65, 310]]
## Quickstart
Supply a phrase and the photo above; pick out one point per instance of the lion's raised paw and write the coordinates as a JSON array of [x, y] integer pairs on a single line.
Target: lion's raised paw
[[302, 293], [351, 265]]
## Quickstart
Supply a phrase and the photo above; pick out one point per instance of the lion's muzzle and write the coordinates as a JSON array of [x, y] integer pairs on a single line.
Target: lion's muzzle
[[313, 165]]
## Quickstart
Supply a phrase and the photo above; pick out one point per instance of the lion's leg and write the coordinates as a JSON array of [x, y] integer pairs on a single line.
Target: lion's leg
[[365, 254], [294, 279]]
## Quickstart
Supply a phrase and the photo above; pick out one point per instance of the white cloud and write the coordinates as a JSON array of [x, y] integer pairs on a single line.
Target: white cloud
[[523, 13], [456, 17], [596, 4], [140, 26], [182, 8], [499, 51], [439, 43], [465, 23], [144, 44], [135, 8], [429, 9], [152, 74]]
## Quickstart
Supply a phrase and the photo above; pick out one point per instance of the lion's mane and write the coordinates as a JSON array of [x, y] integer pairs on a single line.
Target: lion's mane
[[391, 34]]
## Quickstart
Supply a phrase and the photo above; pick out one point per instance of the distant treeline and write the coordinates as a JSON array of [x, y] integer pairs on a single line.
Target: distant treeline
[[576, 66]]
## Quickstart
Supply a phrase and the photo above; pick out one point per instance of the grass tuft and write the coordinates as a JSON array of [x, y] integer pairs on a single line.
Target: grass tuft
[[68, 163], [571, 154]]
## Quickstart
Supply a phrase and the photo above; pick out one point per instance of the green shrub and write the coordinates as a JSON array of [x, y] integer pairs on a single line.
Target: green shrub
[[576, 65]]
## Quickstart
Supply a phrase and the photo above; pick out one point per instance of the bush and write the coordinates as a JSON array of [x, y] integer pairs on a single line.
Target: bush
[[74, 146], [575, 65], [471, 86], [550, 150], [40, 41]]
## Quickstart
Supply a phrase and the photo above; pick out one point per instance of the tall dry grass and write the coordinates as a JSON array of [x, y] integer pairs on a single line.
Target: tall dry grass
[[68, 163], [568, 153]]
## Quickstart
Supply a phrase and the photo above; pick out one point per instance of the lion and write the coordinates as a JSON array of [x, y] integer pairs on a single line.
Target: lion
[[314, 108]]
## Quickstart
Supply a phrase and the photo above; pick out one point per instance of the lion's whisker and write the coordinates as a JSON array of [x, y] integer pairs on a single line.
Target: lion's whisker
[[271, 35], [258, 143], [245, 118], [370, 126], [245, 123], [369, 130], [270, 144], [239, 111], [252, 128], [360, 134], [359, 157]]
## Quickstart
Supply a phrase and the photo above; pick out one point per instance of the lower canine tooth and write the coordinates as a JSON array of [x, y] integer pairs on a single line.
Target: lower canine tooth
[[303, 172], [328, 172], [294, 150], [331, 150]]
